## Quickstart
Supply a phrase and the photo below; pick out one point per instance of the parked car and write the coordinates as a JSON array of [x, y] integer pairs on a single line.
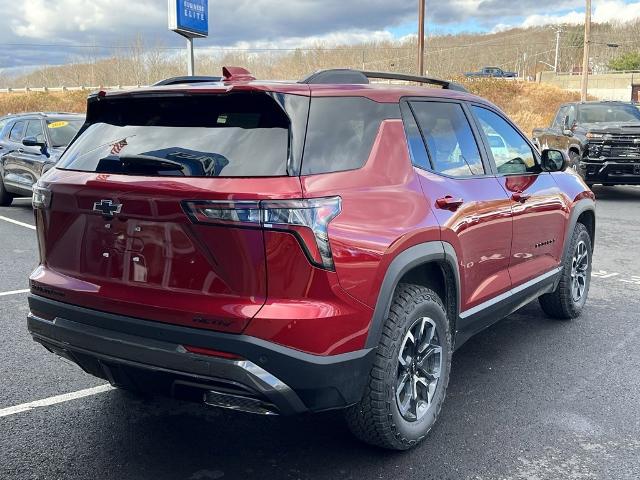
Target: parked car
[[494, 72], [602, 140], [281, 248], [30, 144]]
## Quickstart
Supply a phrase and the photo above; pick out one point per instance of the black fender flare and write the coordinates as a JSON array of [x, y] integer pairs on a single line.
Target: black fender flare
[[436, 251], [583, 205]]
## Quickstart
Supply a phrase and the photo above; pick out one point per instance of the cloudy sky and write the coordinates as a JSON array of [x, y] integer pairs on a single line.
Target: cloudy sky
[[37, 32]]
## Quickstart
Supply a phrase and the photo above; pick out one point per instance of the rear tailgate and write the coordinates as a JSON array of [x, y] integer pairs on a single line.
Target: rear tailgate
[[117, 234], [150, 261]]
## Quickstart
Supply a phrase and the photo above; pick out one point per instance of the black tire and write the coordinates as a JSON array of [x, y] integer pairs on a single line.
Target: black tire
[[377, 418], [5, 197], [574, 160], [562, 304]]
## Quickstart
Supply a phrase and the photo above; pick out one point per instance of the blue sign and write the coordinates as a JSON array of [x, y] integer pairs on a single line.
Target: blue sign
[[189, 17]]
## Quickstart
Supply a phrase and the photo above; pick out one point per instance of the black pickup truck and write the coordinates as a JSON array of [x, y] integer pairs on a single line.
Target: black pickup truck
[[602, 140]]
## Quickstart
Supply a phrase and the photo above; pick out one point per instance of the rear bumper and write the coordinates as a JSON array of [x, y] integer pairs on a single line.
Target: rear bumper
[[151, 356], [618, 172]]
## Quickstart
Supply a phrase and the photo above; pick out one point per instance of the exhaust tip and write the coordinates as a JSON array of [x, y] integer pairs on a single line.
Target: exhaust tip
[[239, 403]]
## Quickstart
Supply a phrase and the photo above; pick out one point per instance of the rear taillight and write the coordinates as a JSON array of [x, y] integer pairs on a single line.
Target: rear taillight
[[41, 197], [307, 219]]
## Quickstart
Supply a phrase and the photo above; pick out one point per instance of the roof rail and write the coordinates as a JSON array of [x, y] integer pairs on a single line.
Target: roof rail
[[345, 75], [186, 80]]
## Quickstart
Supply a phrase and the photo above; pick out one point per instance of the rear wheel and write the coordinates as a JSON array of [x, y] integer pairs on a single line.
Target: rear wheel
[[410, 374], [5, 197], [567, 301]]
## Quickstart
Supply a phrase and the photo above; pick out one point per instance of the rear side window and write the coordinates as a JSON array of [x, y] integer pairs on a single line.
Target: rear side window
[[450, 141], [341, 132], [17, 132], [228, 135]]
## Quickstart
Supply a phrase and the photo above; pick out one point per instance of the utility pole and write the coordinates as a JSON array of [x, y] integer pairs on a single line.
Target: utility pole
[[555, 64], [585, 58], [421, 9]]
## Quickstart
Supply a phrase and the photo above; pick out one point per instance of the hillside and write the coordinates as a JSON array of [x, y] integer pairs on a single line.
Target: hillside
[[529, 105], [526, 51]]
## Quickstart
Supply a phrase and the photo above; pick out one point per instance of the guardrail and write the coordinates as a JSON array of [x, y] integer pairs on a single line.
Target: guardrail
[[67, 89]]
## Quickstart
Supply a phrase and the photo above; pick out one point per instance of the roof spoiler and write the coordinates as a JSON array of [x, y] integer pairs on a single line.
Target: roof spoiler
[[186, 80], [229, 74], [345, 75]]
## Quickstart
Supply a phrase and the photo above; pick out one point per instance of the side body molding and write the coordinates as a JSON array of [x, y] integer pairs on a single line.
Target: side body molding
[[412, 257]]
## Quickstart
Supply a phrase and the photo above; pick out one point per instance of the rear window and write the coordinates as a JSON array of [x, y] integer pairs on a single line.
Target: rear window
[[230, 135], [62, 130], [341, 132]]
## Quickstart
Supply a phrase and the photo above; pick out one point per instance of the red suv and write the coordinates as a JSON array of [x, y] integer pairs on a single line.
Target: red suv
[[281, 248]]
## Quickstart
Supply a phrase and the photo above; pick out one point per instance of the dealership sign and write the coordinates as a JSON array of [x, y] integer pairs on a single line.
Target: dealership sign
[[189, 18]]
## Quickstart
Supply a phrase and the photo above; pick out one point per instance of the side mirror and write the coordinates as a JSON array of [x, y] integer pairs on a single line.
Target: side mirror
[[554, 160], [32, 142]]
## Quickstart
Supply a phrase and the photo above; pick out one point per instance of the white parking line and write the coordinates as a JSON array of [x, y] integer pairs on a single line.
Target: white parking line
[[25, 407], [16, 222], [13, 292]]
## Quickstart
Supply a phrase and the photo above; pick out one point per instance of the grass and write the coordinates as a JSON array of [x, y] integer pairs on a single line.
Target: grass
[[529, 105], [43, 102]]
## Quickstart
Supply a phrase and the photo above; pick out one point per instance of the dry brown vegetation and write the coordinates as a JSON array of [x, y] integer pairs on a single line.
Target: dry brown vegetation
[[529, 105], [43, 102]]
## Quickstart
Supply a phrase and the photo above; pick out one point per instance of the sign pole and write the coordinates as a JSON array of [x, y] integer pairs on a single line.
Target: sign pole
[[190, 58], [189, 18]]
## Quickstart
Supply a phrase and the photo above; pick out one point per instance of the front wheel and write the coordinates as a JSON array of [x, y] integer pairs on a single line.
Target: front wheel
[[574, 160], [5, 197], [568, 299], [410, 374]]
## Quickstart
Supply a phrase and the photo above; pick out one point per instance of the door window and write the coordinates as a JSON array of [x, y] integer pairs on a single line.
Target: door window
[[34, 129], [571, 113], [511, 152], [450, 142], [558, 122], [17, 132]]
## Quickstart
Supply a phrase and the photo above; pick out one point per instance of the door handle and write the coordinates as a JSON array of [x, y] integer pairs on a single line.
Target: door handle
[[21, 150], [449, 203], [520, 197]]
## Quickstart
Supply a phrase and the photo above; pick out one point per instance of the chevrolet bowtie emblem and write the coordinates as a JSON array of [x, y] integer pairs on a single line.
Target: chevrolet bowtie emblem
[[107, 208]]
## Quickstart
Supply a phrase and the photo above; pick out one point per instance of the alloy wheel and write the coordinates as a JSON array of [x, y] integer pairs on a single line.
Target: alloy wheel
[[419, 366], [579, 268]]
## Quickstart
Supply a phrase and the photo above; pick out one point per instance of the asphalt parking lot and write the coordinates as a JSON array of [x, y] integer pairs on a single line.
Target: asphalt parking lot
[[529, 398]]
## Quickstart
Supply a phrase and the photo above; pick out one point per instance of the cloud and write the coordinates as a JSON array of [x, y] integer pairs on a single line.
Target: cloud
[[230, 20], [75, 19], [604, 11], [50, 25]]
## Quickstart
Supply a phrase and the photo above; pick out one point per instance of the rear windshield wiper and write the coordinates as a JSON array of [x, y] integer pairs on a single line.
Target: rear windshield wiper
[[145, 164]]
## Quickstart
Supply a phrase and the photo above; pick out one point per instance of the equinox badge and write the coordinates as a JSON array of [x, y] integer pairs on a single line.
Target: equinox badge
[[107, 207]]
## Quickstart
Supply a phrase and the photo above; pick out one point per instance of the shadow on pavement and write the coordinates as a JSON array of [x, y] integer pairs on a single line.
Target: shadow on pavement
[[160, 438]]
